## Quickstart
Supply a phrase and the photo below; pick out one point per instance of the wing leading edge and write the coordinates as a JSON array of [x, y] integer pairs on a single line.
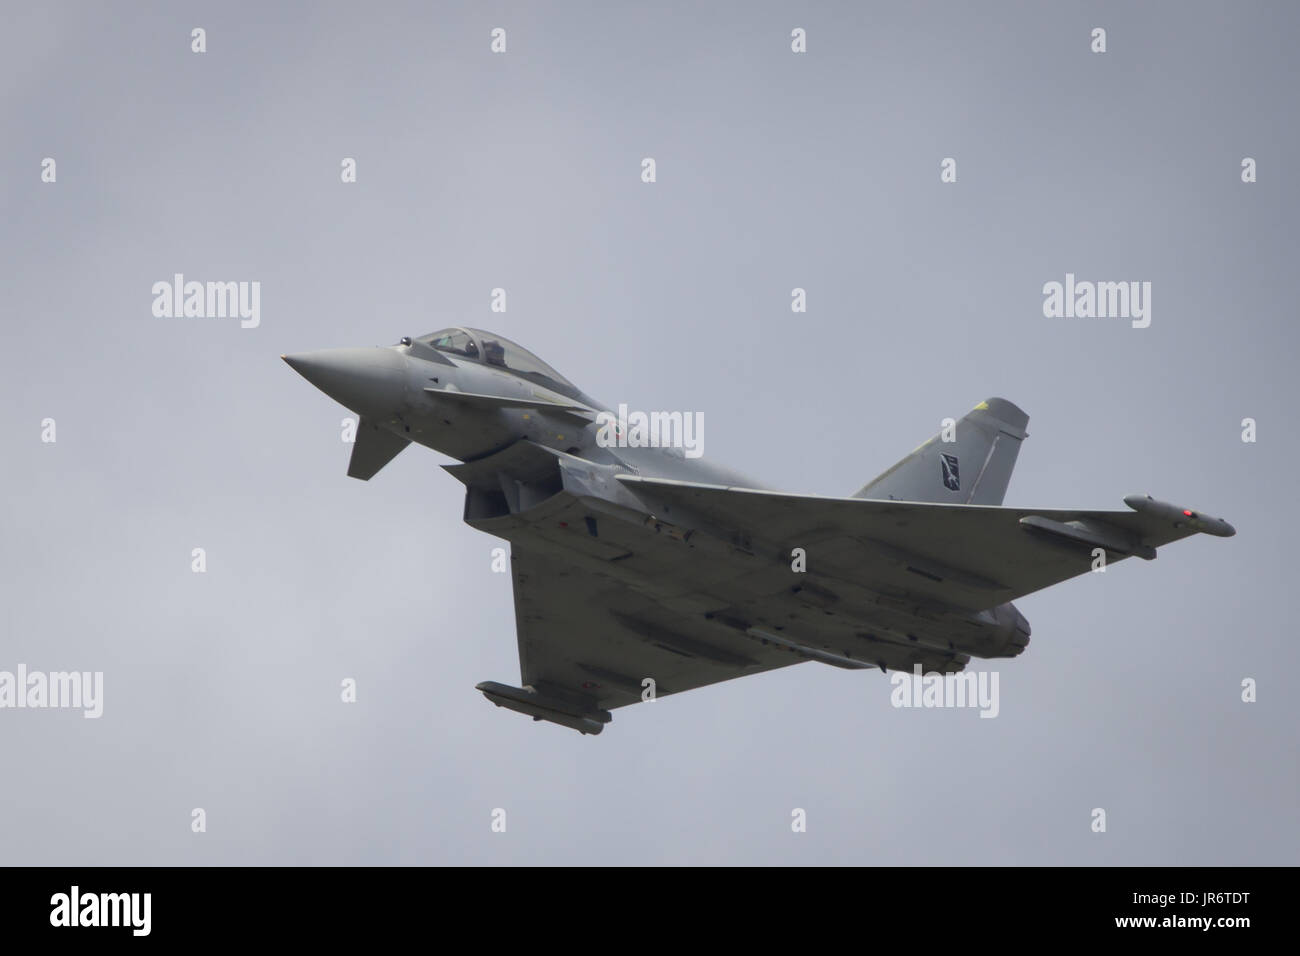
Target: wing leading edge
[[972, 556]]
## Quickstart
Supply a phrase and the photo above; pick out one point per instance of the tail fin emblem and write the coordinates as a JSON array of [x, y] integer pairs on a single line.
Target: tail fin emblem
[[951, 477]]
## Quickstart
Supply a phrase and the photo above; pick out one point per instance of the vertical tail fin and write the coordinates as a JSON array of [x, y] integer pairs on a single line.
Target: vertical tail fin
[[973, 469]]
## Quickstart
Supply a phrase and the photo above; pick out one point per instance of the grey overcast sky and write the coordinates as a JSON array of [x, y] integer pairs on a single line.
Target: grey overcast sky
[[521, 170]]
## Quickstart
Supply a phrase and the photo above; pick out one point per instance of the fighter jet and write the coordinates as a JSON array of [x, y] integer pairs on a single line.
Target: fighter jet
[[641, 572]]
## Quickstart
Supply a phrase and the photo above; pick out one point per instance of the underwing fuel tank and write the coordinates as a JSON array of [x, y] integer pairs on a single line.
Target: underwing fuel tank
[[541, 707]]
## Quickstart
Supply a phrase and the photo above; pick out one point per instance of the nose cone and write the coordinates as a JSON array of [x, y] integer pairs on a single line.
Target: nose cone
[[368, 381]]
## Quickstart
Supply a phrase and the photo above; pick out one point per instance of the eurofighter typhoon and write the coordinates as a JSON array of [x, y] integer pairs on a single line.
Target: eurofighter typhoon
[[645, 567]]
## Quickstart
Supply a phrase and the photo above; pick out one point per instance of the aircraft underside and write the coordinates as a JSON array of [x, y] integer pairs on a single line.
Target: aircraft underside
[[624, 583]]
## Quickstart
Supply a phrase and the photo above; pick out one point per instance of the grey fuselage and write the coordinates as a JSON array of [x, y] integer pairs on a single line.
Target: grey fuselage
[[527, 448], [635, 559], [399, 391]]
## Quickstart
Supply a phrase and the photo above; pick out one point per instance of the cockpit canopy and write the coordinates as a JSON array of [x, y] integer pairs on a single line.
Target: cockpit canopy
[[489, 348]]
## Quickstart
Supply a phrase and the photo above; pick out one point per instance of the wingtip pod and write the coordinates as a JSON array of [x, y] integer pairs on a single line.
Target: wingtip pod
[[1145, 504], [540, 707]]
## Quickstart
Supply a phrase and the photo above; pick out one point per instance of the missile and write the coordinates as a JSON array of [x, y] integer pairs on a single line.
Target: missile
[[1181, 517], [1090, 534], [812, 653], [540, 707]]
